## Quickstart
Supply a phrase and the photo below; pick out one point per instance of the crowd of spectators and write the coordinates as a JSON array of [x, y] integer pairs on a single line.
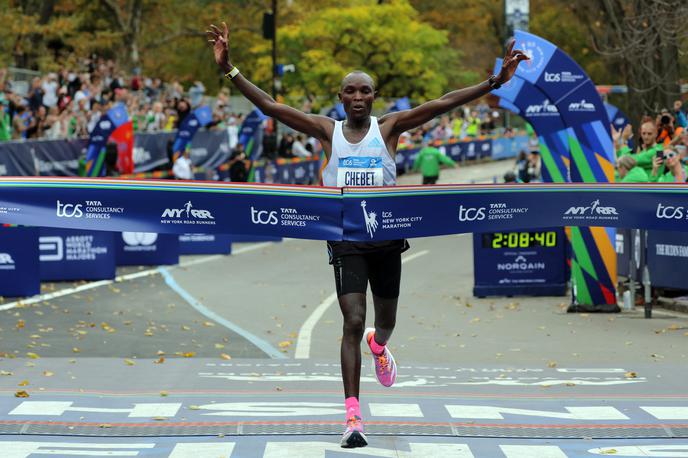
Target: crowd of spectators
[[68, 103], [660, 152]]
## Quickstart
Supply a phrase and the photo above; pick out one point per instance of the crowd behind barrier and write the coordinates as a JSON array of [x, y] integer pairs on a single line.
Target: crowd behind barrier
[[210, 154]]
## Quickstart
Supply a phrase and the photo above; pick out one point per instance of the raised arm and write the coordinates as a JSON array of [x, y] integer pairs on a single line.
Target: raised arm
[[409, 119], [316, 126]]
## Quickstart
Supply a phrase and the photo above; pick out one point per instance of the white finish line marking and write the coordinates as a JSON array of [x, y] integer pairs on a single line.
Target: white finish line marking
[[395, 410], [303, 343], [123, 278], [532, 451]]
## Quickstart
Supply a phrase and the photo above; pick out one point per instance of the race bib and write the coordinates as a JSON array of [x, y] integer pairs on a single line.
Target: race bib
[[359, 171]]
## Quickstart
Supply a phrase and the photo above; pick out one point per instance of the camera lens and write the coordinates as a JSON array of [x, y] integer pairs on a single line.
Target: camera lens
[[665, 119]]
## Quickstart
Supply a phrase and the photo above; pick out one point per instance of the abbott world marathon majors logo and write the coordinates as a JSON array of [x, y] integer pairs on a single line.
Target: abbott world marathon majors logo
[[285, 216], [188, 214], [592, 212], [496, 211], [90, 209]]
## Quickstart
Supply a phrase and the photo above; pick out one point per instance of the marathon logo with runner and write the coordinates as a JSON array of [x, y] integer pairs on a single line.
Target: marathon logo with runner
[[359, 171]]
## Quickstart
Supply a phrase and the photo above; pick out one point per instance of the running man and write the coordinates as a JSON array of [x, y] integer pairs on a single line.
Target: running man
[[360, 152]]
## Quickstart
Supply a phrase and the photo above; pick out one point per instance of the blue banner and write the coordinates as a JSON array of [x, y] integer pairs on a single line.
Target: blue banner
[[19, 269], [337, 112], [251, 134], [147, 249], [205, 244], [69, 254], [667, 258], [198, 118], [106, 125], [513, 263]]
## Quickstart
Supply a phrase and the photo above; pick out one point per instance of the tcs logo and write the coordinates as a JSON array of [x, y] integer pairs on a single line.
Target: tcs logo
[[69, 210], [471, 214], [552, 77], [263, 217], [669, 212]]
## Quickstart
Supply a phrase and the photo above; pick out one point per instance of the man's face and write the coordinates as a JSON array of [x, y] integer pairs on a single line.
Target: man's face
[[648, 133], [357, 94], [677, 105]]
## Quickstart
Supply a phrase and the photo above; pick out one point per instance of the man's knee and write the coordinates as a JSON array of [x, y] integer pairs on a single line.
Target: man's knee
[[354, 325]]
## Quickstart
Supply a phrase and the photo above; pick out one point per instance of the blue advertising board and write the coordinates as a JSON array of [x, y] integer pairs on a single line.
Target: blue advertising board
[[667, 259], [529, 263], [72, 254], [147, 249], [205, 244], [19, 261]]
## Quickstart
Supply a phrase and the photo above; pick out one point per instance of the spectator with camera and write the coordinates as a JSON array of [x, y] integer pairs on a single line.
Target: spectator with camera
[[666, 131], [668, 167]]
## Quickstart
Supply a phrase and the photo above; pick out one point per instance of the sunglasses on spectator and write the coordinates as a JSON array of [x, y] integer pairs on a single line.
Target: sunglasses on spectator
[[670, 154]]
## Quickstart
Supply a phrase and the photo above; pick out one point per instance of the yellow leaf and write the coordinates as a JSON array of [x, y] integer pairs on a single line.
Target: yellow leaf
[[219, 346], [48, 373], [284, 344], [129, 362], [21, 394], [20, 324], [630, 375], [160, 418], [32, 355], [208, 324], [6, 373], [160, 360], [552, 364], [189, 354], [225, 356], [75, 350], [163, 393], [194, 408], [23, 383]]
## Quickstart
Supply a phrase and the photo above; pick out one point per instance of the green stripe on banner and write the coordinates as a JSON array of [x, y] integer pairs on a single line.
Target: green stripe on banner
[[582, 293], [550, 164], [578, 157], [581, 251], [98, 165]]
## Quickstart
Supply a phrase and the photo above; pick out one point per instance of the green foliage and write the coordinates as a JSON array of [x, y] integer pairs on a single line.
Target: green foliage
[[403, 55]]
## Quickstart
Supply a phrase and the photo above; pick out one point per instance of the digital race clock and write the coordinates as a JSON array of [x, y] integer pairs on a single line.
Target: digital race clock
[[499, 240]]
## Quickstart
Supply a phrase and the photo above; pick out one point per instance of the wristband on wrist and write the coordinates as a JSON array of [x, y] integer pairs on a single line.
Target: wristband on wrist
[[492, 81], [232, 73]]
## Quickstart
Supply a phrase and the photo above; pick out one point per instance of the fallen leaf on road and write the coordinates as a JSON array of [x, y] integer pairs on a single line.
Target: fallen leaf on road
[[129, 362], [21, 394], [225, 356], [23, 383], [630, 374], [32, 355]]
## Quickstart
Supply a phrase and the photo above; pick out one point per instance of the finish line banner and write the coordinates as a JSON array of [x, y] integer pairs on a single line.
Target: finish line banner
[[321, 213]]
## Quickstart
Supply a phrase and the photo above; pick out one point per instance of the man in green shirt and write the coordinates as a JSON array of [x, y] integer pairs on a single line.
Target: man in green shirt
[[429, 160], [648, 145], [629, 172]]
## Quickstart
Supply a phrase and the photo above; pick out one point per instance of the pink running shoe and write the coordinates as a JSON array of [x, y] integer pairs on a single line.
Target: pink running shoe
[[385, 367], [353, 436]]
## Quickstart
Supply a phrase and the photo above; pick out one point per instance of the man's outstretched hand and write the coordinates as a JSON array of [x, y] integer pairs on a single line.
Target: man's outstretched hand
[[510, 63], [218, 38]]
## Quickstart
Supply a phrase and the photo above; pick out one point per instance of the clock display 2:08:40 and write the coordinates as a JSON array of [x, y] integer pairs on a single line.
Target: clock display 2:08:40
[[519, 239]]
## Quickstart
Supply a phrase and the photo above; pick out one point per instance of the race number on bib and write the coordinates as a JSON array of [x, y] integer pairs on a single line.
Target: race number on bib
[[359, 171]]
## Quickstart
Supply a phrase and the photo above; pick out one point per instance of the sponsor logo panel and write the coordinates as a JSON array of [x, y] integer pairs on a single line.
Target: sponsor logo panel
[[88, 209]]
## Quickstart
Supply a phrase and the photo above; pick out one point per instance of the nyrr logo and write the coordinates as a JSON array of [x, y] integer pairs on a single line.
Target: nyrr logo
[[595, 209], [545, 108], [69, 210], [669, 212], [263, 217], [581, 106], [188, 211], [6, 262], [139, 238], [471, 214]]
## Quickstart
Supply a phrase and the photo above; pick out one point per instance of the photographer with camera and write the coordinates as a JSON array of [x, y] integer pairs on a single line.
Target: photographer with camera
[[666, 131], [667, 166]]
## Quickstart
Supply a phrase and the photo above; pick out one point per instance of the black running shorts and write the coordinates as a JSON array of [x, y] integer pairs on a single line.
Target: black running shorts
[[352, 273]]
